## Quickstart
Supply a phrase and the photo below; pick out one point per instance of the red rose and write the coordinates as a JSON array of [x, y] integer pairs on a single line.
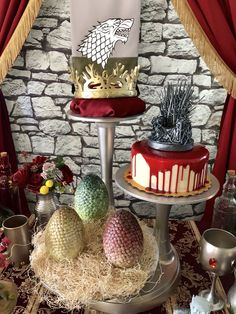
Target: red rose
[[39, 160], [35, 182], [4, 262], [67, 174], [21, 177]]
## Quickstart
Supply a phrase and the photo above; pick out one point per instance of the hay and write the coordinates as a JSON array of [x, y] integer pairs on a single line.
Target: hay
[[90, 277]]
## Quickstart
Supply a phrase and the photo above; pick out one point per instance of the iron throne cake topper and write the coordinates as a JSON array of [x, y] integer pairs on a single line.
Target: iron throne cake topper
[[172, 130]]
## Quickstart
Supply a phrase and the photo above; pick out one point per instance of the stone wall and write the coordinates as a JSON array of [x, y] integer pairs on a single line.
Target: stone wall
[[38, 93]]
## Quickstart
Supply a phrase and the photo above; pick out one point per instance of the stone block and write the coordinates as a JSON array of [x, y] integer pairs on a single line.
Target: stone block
[[45, 22], [197, 135], [55, 8], [54, 127], [60, 37], [37, 60], [124, 130], [213, 96], [27, 121], [153, 10], [200, 115], [58, 61], [175, 78], [91, 168], [80, 128], [171, 31], [89, 152], [157, 48], [35, 88], [144, 63], [44, 107], [21, 142], [142, 78], [151, 112], [151, 32], [155, 79], [29, 128], [172, 15], [161, 64], [202, 80], [19, 62], [34, 38], [212, 150], [181, 211], [15, 127], [209, 136], [150, 94], [68, 145], [10, 105], [19, 73], [122, 155], [58, 89], [23, 107], [42, 144], [44, 76], [75, 168], [13, 87], [90, 141], [183, 48], [215, 119]]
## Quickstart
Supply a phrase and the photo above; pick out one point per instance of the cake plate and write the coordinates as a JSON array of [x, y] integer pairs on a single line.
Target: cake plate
[[166, 277], [106, 134]]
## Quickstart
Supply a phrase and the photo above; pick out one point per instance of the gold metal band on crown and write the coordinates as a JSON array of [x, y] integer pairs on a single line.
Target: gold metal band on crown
[[115, 81]]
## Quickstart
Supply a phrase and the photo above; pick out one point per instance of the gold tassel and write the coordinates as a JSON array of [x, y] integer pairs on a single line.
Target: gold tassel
[[218, 67], [18, 38]]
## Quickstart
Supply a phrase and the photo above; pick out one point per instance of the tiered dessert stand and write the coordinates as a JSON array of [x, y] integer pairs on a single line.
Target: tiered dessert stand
[[166, 277], [167, 274], [106, 134]]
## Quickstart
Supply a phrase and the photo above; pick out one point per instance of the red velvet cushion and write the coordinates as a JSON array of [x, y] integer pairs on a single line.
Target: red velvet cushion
[[108, 107]]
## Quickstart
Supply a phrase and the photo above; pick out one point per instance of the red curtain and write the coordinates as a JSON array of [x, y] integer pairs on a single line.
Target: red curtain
[[218, 20], [10, 14]]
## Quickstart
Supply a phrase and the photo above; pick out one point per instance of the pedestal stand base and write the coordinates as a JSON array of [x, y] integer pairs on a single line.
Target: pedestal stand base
[[155, 292]]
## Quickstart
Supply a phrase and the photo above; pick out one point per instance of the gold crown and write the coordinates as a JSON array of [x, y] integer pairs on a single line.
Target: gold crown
[[92, 84]]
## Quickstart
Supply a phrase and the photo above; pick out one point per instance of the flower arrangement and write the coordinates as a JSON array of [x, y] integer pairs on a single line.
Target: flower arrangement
[[44, 175], [4, 243]]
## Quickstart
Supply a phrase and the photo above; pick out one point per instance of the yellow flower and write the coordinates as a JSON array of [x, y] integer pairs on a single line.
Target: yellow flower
[[49, 183], [44, 189]]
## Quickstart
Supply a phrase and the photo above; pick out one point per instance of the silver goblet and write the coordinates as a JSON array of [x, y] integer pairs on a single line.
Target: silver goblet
[[217, 255]]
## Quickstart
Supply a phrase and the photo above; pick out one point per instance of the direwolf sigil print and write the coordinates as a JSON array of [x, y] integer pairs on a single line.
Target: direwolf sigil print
[[100, 42]]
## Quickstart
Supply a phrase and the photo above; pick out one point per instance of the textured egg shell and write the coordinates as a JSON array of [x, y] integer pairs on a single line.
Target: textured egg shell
[[91, 198], [64, 234], [122, 239]]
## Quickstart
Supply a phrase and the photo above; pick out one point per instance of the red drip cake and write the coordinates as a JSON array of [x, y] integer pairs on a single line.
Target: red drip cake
[[169, 172], [169, 163]]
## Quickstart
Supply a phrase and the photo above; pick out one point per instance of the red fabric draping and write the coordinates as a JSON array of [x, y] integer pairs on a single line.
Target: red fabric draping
[[108, 107], [218, 20], [10, 14], [6, 142]]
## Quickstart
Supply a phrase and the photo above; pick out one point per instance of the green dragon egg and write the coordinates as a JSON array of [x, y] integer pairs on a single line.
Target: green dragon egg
[[64, 234], [91, 198]]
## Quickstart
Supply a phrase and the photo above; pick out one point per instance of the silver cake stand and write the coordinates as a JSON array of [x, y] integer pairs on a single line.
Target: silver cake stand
[[161, 287], [106, 134]]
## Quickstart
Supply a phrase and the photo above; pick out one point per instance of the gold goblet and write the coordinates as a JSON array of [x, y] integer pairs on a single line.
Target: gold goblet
[[217, 255]]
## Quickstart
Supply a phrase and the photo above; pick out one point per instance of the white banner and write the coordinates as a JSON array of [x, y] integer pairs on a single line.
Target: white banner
[[105, 29]]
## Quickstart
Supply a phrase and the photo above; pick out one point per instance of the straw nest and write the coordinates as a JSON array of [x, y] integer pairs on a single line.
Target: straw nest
[[90, 277]]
